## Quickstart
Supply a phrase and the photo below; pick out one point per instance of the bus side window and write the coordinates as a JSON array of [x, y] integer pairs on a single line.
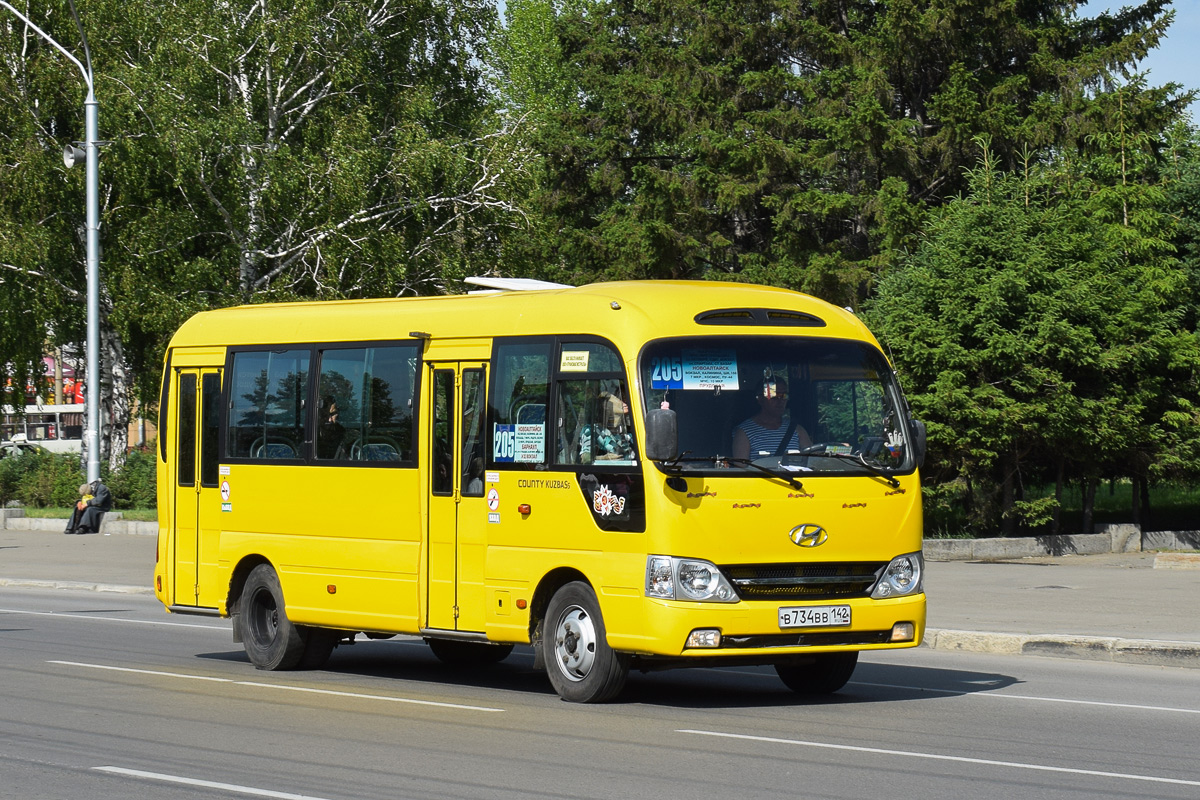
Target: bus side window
[[364, 404], [592, 420], [520, 395], [266, 404]]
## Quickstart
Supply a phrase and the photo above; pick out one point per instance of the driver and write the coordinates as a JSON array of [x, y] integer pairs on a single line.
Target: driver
[[762, 434]]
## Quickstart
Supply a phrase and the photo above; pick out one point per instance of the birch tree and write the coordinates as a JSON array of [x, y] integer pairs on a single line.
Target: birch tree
[[254, 151]]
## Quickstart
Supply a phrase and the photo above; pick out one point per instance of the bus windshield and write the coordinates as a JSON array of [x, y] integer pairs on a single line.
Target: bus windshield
[[795, 406]]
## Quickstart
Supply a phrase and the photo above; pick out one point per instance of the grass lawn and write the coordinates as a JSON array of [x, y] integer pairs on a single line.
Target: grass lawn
[[1172, 508], [132, 514]]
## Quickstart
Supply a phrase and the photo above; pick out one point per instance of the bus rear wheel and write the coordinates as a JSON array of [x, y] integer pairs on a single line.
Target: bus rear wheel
[[581, 666], [825, 675], [272, 642]]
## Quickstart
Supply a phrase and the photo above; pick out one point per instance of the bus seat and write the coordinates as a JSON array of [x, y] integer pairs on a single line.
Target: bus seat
[[272, 448], [379, 451]]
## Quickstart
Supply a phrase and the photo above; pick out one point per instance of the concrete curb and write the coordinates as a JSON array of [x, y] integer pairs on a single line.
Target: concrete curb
[[1177, 561], [112, 523], [78, 586], [1114, 539], [1149, 652]]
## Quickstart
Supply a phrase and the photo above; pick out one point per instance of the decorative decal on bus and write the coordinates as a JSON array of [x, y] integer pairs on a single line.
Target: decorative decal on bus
[[604, 502]]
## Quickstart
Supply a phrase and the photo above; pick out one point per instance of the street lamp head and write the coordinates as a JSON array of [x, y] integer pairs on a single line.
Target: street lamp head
[[72, 155]]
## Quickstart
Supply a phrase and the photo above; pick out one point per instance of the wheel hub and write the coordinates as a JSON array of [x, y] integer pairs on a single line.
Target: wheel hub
[[575, 643]]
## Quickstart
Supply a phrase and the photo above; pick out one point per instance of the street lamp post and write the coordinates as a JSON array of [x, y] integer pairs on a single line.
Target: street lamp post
[[91, 111]]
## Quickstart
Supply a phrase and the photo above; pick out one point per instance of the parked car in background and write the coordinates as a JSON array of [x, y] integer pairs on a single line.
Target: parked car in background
[[17, 446]]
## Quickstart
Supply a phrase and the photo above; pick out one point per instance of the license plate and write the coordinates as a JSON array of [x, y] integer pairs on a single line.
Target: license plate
[[814, 617]]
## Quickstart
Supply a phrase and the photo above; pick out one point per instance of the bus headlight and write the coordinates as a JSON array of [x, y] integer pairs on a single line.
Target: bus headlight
[[904, 575], [672, 578]]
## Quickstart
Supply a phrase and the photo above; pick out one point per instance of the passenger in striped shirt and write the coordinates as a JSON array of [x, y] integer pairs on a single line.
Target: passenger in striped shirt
[[761, 434]]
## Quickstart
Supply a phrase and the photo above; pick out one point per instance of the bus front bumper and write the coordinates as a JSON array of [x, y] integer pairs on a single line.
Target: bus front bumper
[[752, 632]]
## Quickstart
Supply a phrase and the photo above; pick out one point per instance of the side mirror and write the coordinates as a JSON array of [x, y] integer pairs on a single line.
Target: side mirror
[[662, 435], [919, 442]]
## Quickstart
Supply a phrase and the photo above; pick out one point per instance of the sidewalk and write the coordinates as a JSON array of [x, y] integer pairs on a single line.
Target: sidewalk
[[1110, 607]]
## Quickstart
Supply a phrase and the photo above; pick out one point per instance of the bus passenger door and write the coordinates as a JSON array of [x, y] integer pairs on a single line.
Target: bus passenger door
[[197, 493], [458, 510]]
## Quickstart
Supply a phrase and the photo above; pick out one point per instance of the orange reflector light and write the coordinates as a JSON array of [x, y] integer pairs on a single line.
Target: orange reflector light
[[524, 508], [331, 589], [521, 604], [158, 582]]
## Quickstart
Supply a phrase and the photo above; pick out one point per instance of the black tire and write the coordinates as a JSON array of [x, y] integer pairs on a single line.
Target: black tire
[[581, 665], [319, 644], [454, 653], [828, 673], [271, 640]]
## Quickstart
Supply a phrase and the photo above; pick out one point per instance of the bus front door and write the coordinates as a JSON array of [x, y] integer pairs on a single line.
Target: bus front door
[[458, 509], [197, 490]]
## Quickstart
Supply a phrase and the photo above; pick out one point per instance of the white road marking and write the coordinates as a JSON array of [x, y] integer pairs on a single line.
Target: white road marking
[[998, 696], [992, 694], [942, 757], [259, 685], [227, 787], [366, 696], [116, 619], [182, 675]]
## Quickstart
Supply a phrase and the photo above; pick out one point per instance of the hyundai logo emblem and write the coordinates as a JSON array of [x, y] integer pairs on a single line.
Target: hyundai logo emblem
[[808, 535]]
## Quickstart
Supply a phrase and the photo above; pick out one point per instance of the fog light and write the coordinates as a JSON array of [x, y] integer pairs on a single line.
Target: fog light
[[903, 632], [704, 637]]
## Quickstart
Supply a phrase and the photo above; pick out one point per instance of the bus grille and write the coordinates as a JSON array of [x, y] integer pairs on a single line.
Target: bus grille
[[823, 581], [806, 639]]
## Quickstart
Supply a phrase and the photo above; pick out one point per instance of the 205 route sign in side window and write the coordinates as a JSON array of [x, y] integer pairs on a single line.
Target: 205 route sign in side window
[[814, 617]]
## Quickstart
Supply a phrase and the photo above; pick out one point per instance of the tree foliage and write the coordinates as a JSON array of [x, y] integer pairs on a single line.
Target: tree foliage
[[320, 149], [801, 142], [1042, 333]]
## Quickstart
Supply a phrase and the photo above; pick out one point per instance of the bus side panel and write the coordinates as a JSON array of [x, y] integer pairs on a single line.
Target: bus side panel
[[559, 532], [345, 541]]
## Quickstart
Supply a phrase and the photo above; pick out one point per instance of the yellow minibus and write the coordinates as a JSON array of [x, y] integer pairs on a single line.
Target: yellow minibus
[[635, 475]]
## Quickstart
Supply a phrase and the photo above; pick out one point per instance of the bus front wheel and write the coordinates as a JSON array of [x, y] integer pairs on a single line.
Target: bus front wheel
[[581, 665], [271, 640], [825, 675]]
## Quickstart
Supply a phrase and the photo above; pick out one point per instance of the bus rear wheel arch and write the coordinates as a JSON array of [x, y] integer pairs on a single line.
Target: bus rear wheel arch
[[271, 640], [581, 666]]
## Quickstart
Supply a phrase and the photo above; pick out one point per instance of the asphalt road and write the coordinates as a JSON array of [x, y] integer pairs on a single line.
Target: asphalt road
[[106, 696]]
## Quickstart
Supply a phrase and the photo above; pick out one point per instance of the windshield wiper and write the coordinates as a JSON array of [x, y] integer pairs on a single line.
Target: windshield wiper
[[857, 458], [795, 484]]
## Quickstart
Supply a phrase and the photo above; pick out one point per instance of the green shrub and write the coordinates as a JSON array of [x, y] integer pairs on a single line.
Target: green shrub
[[134, 486], [52, 480], [48, 479]]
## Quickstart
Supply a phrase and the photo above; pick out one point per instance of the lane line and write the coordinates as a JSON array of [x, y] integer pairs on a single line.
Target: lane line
[[941, 757], [66, 615], [182, 675], [284, 687], [226, 787], [390, 699], [960, 692], [993, 695]]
